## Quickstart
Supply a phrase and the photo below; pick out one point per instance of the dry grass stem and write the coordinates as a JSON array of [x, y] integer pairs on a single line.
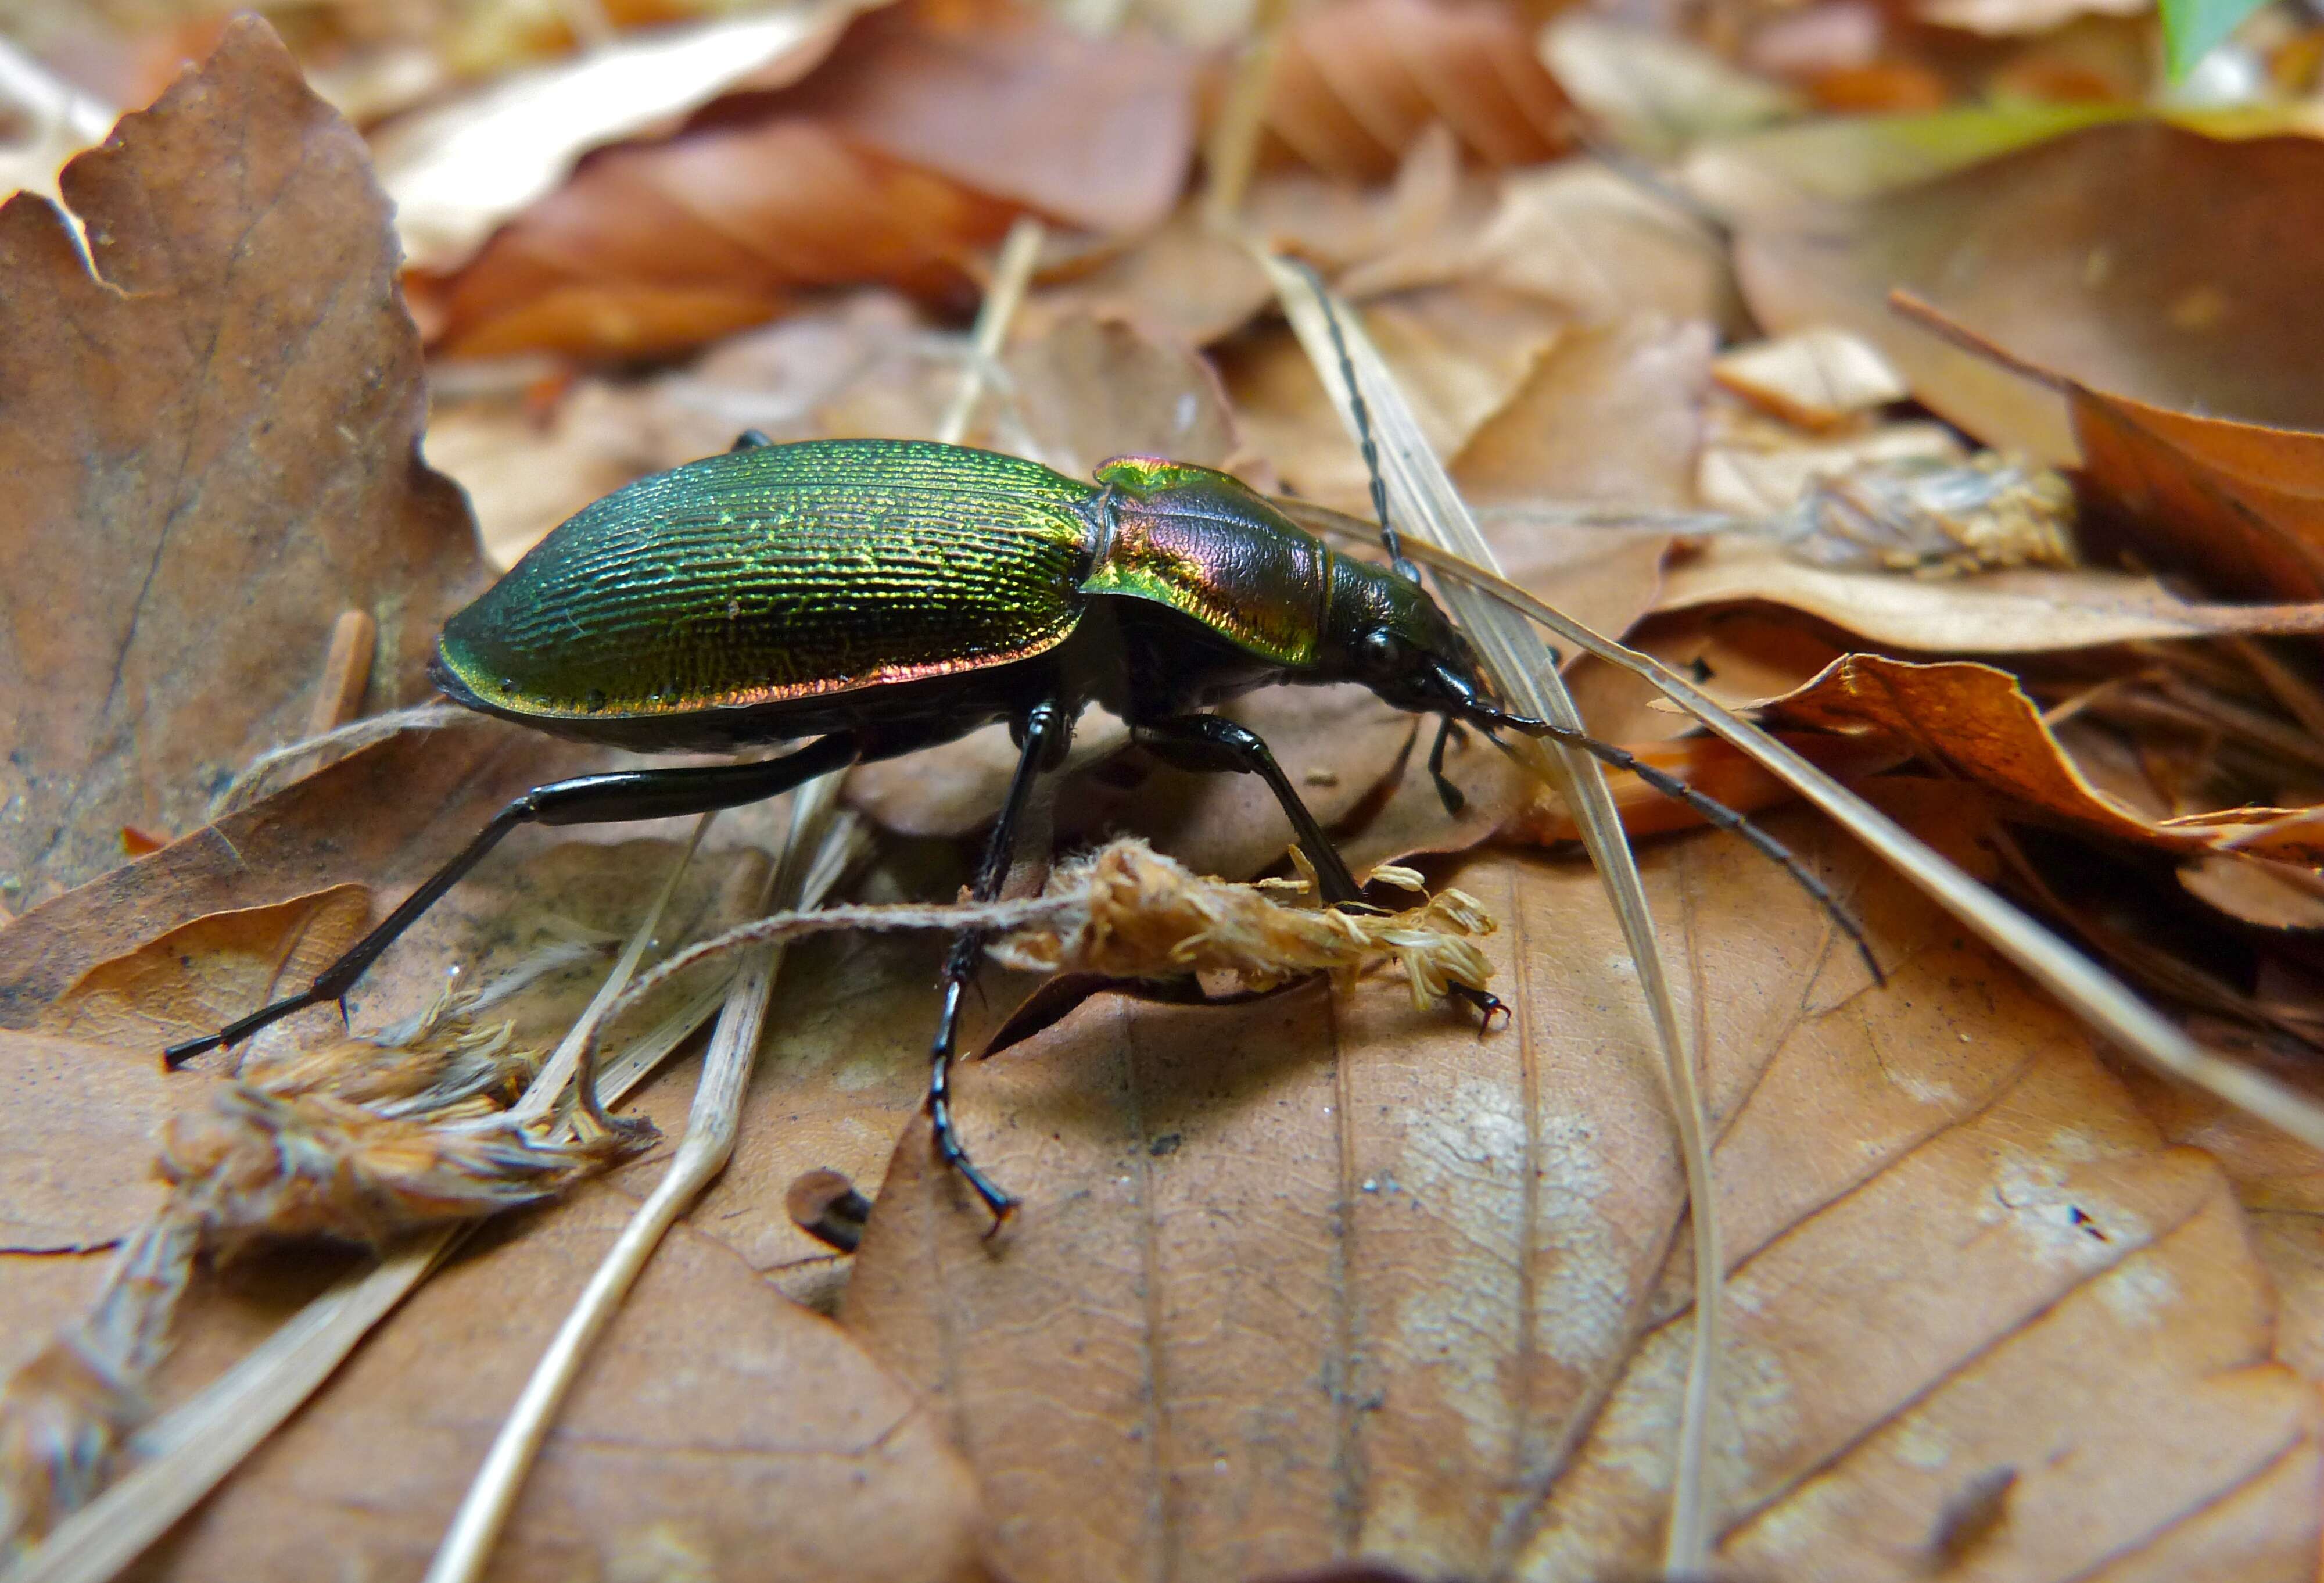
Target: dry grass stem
[[1430, 511], [803, 875]]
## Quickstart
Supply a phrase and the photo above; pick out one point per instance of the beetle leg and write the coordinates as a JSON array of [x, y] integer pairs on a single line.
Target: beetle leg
[[1213, 743], [1447, 793], [617, 798], [1046, 733], [750, 439]]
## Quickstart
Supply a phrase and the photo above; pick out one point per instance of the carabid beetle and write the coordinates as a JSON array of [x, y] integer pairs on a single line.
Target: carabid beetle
[[881, 597]]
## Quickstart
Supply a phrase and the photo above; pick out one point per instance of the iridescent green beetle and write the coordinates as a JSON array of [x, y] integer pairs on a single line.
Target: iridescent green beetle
[[885, 595]]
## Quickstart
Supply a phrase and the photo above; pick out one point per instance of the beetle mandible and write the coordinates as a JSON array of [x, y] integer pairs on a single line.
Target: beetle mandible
[[882, 596]]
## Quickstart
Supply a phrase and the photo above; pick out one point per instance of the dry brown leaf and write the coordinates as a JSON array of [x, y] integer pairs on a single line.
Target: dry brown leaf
[[1972, 721], [213, 448], [385, 817], [2138, 259], [1654, 92], [1583, 238], [2273, 895], [457, 170], [77, 1180], [2026, 611], [900, 160], [1356, 81], [1087, 388], [1712, 766], [1816, 378], [1612, 414], [203, 974], [1957, 1247], [716, 1426]]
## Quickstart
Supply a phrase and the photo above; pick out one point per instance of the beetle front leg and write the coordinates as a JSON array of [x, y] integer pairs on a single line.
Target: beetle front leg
[[1047, 731], [1214, 744]]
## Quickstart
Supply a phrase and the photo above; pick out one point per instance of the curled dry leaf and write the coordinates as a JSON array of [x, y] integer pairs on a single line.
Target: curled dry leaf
[[202, 975], [1355, 83], [1974, 721], [2027, 611], [900, 160], [1816, 378], [459, 170], [1475, 1245], [2160, 279], [220, 421], [1652, 92], [385, 816]]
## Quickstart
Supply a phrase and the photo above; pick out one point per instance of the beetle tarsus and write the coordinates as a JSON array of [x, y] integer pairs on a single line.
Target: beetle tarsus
[[751, 440], [1487, 1006]]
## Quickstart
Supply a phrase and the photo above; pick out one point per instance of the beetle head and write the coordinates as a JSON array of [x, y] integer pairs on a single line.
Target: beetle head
[[1384, 631]]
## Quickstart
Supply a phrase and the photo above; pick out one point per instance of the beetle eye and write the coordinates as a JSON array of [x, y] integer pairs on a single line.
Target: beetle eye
[[1380, 652]]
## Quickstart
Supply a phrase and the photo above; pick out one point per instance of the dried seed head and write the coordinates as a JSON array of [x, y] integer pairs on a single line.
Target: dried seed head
[[1145, 916], [1937, 517], [259, 1165]]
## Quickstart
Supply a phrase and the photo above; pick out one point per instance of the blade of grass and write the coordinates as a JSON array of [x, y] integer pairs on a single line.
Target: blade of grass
[[1429, 509]]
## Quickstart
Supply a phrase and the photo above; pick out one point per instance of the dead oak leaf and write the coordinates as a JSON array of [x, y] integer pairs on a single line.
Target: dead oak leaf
[[1319, 1279], [209, 428]]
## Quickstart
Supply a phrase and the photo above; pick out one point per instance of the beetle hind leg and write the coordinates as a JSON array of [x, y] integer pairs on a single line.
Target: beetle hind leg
[[1044, 734], [610, 799]]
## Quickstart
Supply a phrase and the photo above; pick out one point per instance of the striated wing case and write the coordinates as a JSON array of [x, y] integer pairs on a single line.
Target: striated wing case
[[774, 575]]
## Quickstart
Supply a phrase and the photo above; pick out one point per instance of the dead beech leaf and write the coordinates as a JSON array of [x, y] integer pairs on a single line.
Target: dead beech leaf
[[1356, 83], [202, 975], [1088, 389], [1612, 414], [1973, 720], [2137, 259], [1654, 92], [212, 443], [2273, 895], [385, 817], [1816, 378], [2024, 611], [457, 170], [1956, 1246], [900, 160], [76, 1179], [715, 1419]]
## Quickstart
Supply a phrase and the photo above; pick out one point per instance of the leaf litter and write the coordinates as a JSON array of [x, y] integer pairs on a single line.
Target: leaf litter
[[1422, 1451]]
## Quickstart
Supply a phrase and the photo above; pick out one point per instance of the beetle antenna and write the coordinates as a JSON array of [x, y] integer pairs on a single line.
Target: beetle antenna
[[1363, 417], [1716, 814]]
